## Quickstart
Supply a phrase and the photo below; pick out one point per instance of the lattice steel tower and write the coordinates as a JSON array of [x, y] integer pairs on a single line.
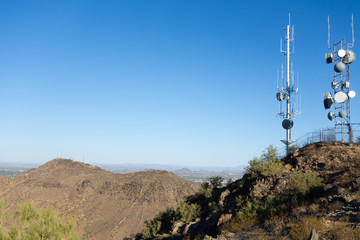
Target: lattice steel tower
[[341, 56]]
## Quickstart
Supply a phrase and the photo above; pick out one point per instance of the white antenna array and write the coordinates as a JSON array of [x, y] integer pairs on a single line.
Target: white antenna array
[[287, 92], [342, 57]]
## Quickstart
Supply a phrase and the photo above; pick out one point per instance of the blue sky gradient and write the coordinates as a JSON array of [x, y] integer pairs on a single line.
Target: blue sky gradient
[[168, 82]]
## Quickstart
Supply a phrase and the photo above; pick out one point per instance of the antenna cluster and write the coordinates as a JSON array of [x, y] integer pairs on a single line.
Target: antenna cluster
[[341, 57], [287, 91]]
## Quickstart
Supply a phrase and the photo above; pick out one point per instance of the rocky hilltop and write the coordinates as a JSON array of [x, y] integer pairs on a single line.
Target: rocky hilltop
[[105, 205], [314, 190]]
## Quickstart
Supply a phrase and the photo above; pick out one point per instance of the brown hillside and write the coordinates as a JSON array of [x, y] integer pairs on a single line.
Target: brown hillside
[[317, 187], [105, 205]]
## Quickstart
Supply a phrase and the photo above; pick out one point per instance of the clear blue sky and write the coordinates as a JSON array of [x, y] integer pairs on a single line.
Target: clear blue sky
[[188, 82]]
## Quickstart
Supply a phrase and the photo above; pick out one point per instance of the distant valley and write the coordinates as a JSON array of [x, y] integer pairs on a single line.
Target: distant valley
[[194, 174]]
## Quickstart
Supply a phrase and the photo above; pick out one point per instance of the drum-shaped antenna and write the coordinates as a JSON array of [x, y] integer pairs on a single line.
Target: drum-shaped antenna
[[339, 67], [334, 84], [342, 114], [346, 84], [328, 100], [287, 123], [330, 116], [280, 96], [329, 57]]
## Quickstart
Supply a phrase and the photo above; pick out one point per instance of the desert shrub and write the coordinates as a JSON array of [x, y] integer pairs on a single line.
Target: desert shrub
[[303, 183], [212, 206], [337, 230], [30, 223], [262, 210], [229, 182], [216, 181], [340, 230], [239, 200], [294, 148], [249, 210], [206, 190], [238, 224], [188, 212], [276, 224], [268, 164], [301, 229], [204, 186], [167, 219], [150, 229]]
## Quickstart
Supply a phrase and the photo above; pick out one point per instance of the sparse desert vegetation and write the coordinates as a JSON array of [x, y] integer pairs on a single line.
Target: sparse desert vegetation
[[316, 187]]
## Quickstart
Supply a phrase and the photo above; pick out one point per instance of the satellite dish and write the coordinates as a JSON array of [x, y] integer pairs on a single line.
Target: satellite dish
[[341, 53], [339, 67], [330, 116], [340, 97], [334, 85], [328, 100], [287, 123], [349, 57], [346, 84], [329, 57], [342, 114], [280, 96], [351, 94]]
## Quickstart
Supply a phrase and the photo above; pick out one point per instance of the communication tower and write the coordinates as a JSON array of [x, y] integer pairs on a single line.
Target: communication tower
[[286, 92], [341, 57]]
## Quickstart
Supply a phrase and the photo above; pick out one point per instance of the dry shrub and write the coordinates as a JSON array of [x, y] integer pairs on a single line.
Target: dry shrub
[[238, 225], [336, 230], [275, 225], [342, 231], [301, 229]]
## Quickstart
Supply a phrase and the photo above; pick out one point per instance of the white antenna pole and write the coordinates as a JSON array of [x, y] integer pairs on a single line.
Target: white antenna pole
[[288, 132], [352, 30], [282, 76], [329, 31], [286, 92]]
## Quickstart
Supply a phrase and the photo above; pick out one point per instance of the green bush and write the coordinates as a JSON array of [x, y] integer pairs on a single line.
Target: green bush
[[204, 186], [304, 182], [216, 181], [268, 164], [29, 223], [239, 201], [151, 229], [189, 212], [249, 210], [212, 206]]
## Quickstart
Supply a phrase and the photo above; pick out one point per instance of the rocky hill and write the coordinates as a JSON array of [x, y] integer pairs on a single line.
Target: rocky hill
[[105, 205], [315, 188]]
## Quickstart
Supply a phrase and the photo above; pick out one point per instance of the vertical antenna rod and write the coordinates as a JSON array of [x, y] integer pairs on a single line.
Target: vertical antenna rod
[[286, 93], [288, 131]]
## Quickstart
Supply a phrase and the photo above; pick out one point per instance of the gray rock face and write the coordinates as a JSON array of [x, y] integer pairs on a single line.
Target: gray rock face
[[313, 235]]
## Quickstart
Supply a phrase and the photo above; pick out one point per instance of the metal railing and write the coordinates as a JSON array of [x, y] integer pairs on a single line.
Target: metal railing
[[338, 134]]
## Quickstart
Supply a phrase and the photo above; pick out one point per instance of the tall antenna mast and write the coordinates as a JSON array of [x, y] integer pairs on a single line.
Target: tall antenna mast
[[286, 93], [342, 57]]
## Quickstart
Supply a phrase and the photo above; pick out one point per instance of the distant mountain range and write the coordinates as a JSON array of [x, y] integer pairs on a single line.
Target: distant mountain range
[[194, 174], [122, 167]]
